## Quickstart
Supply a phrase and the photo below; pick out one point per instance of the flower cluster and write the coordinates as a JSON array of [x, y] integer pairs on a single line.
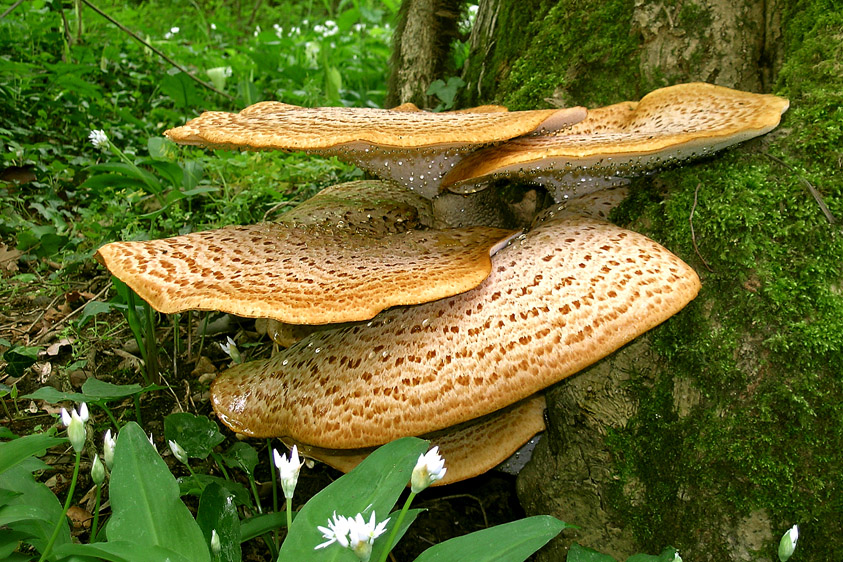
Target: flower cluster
[[353, 533], [429, 469], [75, 424], [288, 470], [99, 139], [173, 31]]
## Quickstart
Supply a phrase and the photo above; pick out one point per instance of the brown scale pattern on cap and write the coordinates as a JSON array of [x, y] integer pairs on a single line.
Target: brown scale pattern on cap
[[566, 294], [371, 206], [276, 126], [302, 274], [469, 449], [669, 124]]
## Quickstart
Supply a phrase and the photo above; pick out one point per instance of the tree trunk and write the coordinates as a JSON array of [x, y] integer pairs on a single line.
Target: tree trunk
[[725, 426]]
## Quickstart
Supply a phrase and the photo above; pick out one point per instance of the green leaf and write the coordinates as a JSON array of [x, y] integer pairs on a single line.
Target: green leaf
[[192, 173], [38, 497], [19, 359], [260, 524], [96, 390], [53, 396], [194, 484], [7, 495], [147, 510], [217, 511], [92, 309], [6, 433], [13, 452], [9, 542], [243, 456], [181, 89], [123, 551], [510, 542], [579, 553], [197, 435], [374, 485]]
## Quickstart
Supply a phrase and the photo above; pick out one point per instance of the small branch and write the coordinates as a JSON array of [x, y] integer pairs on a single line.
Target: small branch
[[11, 9], [137, 38], [811, 189], [693, 236]]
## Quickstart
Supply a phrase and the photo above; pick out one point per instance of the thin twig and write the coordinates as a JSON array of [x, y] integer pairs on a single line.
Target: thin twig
[[811, 189], [693, 236], [134, 36], [11, 9]]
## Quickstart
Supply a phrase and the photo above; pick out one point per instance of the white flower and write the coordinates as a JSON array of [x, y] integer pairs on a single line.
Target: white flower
[[257, 30], [108, 449], [288, 470], [151, 442], [429, 469], [353, 533], [230, 349], [97, 471], [75, 424], [214, 26], [99, 139], [178, 452], [788, 543], [173, 31], [676, 557], [215, 542]]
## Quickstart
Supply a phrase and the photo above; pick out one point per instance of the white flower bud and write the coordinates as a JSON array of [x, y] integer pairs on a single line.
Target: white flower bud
[[788, 543], [429, 469], [97, 471], [108, 449], [178, 452]]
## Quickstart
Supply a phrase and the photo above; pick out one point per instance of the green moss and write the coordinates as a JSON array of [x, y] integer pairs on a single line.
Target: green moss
[[574, 57], [763, 342]]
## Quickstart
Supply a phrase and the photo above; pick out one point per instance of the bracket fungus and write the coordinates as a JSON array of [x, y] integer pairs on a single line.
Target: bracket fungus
[[470, 449], [614, 143], [414, 148], [571, 291]]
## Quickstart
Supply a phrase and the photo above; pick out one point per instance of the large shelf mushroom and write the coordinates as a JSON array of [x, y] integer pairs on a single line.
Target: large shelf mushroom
[[614, 143], [492, 331], [414, 148]]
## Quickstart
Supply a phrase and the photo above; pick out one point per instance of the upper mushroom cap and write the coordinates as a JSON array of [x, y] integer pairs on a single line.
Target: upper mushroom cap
[[279, 126], [625, 139], [302, 274], [469, 449], [569, 292]]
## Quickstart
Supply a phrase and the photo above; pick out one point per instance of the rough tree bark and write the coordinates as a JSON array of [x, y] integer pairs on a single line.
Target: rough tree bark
[[723, 427]]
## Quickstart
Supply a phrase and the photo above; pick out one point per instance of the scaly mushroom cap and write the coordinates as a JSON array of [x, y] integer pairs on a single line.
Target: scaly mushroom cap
[[414, 148], [566, 294], [302, 274], [623, 140], [375, 207], [469, 449]]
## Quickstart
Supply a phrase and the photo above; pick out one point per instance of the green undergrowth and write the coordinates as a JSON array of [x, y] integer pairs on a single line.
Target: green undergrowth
[[762, 345]]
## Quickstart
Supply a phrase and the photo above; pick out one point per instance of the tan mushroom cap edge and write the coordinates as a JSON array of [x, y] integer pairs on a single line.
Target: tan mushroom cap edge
[[303, 274], [469, 449], [561, 297], [679, 122], [278, 126]]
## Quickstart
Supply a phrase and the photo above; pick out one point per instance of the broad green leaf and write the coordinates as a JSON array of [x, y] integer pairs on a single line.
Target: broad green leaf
[[92, 309], [13, 452], [6, 433], [374, 485], [191, 485], [197, 435], [7, 495], [243, 456], [53, 396], [217, 511], [9, 541], [19, 359], [192, 172], [666, 555], [21, 512], [46, 509], [123, 551], [96, 390], [181, 89], [579, 553], [260, 524], [170, 171], [510, 542], [145, 502]]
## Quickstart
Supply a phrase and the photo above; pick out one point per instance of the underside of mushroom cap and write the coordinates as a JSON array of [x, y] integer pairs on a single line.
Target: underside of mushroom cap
[[302, 274], [668, 125], [469, 449], [566, 294], [414, 148]]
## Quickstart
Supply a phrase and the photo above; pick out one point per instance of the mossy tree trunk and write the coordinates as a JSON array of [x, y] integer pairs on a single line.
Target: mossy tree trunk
[[724, 426]]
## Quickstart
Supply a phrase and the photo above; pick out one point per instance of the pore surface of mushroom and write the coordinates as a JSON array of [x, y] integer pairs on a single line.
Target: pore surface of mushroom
[[302, 274], [414, 148], [569, 292], [469, 449], [627, 139]]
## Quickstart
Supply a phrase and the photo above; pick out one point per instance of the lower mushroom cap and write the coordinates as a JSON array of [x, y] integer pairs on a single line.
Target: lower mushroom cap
[[469, 449], [563, 296], [302, 274]]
